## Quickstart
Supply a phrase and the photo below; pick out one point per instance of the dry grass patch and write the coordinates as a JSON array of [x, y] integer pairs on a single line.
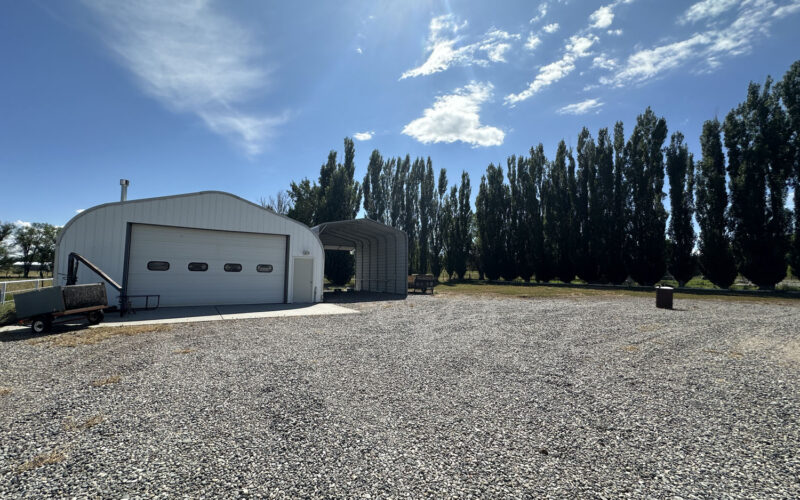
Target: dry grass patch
[[113, 379], [478, 288], [183, 351], [631, 348], [5, 391], [49, 458], [90, 336], [72, 425]]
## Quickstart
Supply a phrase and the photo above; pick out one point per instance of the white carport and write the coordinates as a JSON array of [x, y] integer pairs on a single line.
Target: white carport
[[381, 253]]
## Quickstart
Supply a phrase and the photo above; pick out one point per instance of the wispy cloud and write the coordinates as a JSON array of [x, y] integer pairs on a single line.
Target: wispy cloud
[[788, 9], [706, 9], [445, 48], [541, 12], [79, 210], [456, 117], [22, 223], [577, 47], [193, 60], [364, 136], [581, 108], [706, 48]]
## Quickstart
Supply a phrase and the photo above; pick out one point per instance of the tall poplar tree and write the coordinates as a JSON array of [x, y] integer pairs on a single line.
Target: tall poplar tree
[[680, 172], [586, 208], [758, 168], [376, 196], [617, 272], [644, 176], [523, 190], [426, 210], [491, 221], [537, 198], [716, 256], [558, 220], [790, 97], [339, 198], [438, 226], [450, 231], [604, 224], [465, 224]]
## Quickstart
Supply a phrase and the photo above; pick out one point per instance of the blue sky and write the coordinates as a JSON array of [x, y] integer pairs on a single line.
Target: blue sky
[[247, 96]]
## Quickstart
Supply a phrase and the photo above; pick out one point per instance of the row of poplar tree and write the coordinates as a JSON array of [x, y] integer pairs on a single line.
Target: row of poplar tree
[[596, 212]]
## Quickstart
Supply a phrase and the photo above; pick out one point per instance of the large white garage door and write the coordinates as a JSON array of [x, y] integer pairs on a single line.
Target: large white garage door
[[202, 267]]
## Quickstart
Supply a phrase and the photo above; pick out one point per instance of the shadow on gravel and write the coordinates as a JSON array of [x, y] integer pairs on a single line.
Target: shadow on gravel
[[27, 334]]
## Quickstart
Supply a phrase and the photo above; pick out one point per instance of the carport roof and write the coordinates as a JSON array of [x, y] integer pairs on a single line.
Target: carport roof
[[344, 234]]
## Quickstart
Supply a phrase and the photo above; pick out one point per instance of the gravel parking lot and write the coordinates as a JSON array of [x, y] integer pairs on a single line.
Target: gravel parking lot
[[431, 396]]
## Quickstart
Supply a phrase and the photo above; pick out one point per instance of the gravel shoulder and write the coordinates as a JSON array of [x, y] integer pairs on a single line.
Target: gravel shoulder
[[446, 396]]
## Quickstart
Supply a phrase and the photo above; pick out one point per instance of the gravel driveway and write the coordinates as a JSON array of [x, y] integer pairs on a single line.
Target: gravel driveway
[[432, 396]]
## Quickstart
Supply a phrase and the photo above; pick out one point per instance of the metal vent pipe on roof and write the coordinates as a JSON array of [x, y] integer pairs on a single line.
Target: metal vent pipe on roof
[[124, 183]]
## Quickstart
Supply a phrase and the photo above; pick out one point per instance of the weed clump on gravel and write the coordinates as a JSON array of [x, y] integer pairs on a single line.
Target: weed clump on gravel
[[90, 336], [49, 458], [5, 391], [72, 425], [113, 379]]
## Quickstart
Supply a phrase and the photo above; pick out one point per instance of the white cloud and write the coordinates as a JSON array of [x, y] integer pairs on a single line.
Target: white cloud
[[706, 48], [364, 136], [22, 223], [359, 50], [602, 17], [456, 117], [788, 9], [550, 28], [581, 108], [616, 32], [532, 42], [193, 60], [604, 62], [706, 9], [79, 210], [577, 47], [541, 12], [444, 50]]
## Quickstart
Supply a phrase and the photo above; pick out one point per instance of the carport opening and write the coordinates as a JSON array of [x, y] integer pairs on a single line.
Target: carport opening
[[379, 254]]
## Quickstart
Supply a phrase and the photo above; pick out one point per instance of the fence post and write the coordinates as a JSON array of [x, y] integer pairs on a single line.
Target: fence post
[[38, 283], [2, 293]]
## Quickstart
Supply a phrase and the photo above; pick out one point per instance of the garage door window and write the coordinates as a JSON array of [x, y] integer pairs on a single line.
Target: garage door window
[[157, 265], [264, 268], [198, 266], [233, 268]]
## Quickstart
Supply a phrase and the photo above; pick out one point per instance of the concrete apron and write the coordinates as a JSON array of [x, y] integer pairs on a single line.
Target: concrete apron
[[192, 314]]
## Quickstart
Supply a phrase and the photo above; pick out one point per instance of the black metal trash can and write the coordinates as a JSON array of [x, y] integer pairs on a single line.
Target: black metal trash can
[[664, 297]]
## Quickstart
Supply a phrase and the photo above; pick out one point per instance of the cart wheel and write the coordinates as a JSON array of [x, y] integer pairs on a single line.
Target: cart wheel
[[41, 324], [95, 317]]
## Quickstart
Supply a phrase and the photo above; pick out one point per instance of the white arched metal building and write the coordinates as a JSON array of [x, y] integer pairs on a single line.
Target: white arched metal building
[[206, 248]]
